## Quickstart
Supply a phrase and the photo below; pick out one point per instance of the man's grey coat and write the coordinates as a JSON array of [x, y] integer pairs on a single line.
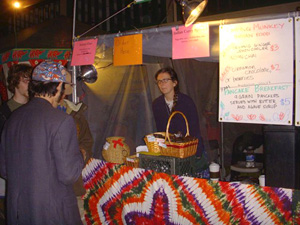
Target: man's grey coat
[[40, 159]]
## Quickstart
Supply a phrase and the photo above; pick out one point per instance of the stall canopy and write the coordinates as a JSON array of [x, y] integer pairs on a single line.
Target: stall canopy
[[157, 41], [34, 56], [119, 103], [31, 56]]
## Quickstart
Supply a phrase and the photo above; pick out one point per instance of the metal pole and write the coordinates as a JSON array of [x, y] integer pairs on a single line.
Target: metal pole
[[223, 171], [15, 29], [74, 20], [74, 81]]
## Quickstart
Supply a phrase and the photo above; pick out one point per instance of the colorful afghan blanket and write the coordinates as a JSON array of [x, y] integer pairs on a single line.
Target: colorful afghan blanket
[[117, 194]]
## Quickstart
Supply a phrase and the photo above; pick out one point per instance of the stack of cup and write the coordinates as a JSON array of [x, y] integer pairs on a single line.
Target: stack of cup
[[214, 171]]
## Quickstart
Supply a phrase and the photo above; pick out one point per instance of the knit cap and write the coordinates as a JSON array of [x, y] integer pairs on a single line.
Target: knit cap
[[49, 71]]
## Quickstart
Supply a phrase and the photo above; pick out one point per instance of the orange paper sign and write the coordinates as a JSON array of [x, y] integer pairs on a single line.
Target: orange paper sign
[[190, 42], [128, 50]]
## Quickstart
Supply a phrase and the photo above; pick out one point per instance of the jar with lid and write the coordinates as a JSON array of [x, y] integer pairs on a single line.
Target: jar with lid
[[214, 171], [250, 156]]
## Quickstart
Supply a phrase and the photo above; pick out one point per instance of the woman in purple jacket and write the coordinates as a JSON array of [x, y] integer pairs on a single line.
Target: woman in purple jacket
[[173, 100]]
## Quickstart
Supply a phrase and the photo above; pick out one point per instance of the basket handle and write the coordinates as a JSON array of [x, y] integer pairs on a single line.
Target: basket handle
[[168, 125]]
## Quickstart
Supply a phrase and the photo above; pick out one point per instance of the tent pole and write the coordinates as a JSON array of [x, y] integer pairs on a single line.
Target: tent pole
[[74, 19], [15, 29], [223, 171], [74, 81]]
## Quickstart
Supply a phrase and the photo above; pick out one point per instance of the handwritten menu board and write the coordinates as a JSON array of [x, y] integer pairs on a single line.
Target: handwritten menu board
[[256, 72], [297, 79]]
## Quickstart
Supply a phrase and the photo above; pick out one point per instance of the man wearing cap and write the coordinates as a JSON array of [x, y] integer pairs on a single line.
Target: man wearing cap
[[39, 154]]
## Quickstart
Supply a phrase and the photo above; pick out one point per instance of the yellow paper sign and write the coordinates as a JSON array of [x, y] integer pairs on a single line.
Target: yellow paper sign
[[128, 50]]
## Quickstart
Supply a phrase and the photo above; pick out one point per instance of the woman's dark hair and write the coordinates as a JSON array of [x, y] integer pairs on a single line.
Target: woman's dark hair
[[15, 73], [172, 74], [40, 88], [174, 77]]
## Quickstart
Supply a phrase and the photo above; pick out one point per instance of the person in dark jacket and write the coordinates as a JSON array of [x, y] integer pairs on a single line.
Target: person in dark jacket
[[17, 79], [85, 140], [173, 100], [40, 156]]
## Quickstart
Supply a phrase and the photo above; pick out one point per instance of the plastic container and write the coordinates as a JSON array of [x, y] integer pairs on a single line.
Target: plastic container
[[168, 164], [214, 171], [250, 157]]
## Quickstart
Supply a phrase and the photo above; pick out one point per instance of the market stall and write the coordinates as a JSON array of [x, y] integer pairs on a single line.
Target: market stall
[[132, 87], [123, 194]]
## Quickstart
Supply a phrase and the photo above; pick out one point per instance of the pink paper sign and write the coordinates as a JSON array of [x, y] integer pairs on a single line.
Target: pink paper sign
[[190, 42], [84, 52]]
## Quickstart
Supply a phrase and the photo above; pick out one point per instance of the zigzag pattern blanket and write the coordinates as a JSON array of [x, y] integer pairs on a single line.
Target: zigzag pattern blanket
[[118, 194]]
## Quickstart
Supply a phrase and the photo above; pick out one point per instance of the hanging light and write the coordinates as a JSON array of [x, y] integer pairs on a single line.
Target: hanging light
[[191, 10], [88, 74], [17, 5]]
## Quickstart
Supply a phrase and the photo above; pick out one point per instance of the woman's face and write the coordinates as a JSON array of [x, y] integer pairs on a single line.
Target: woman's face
[[165, 83]]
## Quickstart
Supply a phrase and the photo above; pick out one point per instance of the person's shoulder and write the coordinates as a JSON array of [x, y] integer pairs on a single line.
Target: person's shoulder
[[60, 115], [4, 108], [4, 105], [44, 109], [186, 102], [158, 99], [158, 103], [58, 118], [185, 97]]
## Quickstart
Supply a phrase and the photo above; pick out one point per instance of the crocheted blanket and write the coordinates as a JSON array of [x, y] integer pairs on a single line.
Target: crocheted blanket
[[118, 194]]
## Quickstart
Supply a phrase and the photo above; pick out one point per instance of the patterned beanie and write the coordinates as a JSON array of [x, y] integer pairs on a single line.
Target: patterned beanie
[[49, 71]]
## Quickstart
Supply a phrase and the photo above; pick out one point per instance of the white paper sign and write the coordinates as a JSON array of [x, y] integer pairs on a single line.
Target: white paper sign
[[256, 72]]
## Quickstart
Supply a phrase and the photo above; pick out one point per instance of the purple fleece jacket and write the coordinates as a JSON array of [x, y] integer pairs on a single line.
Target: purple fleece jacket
[[185, 105]]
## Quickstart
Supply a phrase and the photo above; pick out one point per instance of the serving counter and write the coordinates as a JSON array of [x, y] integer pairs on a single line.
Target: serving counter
[[118, 194]]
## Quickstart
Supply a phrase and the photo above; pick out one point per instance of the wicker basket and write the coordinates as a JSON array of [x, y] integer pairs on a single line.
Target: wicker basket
[[154, 144], [132, 161], [115, 150], [180, 150]]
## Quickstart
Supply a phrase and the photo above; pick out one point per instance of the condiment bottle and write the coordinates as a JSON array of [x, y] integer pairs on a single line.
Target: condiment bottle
[[214, 171]]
